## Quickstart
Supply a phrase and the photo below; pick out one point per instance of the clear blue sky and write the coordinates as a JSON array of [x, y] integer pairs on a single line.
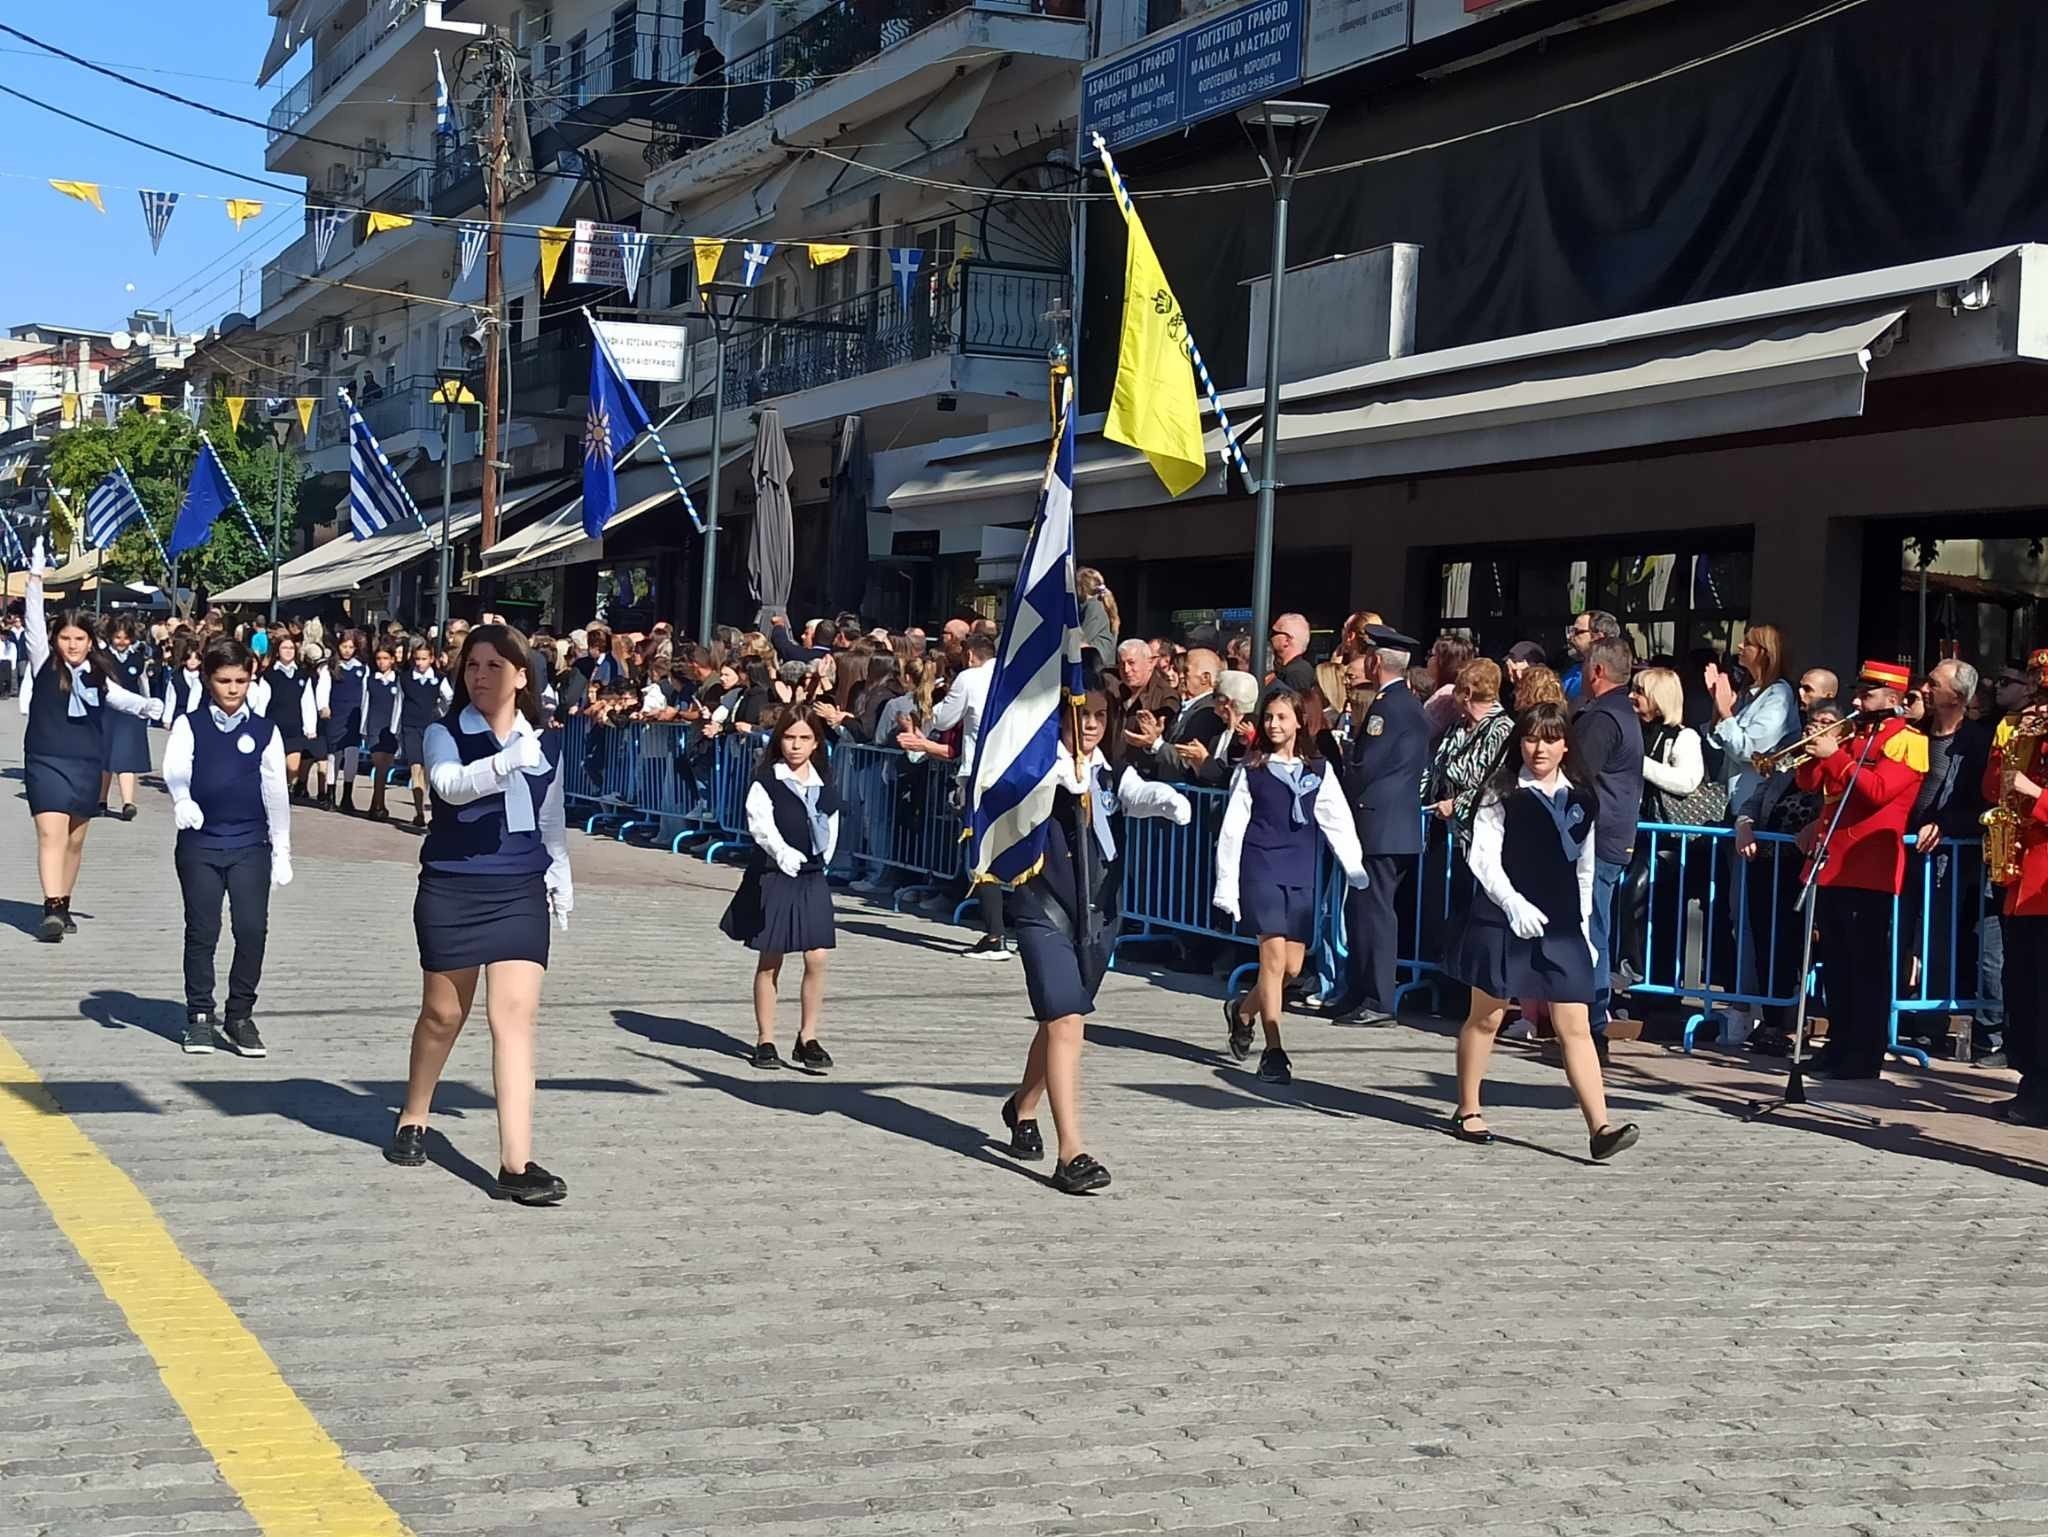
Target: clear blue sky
[[66, 264]]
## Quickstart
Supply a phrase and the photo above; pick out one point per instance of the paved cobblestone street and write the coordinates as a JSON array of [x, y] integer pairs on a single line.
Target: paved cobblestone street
[[797, 1306]]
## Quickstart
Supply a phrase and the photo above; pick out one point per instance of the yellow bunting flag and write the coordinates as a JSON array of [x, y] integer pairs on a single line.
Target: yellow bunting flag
[[707, 252], [379, 222], [241, 209], [1153, 408], [84, 191], [67, 414], [237, 404], [305, 403], [152, 402], [553, 241], [825, 255]]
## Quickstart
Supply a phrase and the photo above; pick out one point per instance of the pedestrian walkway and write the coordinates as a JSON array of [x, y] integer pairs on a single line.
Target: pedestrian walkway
[[791, 1306]]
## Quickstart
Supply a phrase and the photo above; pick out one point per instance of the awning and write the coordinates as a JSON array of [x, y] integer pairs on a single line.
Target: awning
[[558, 539], [296, 22]]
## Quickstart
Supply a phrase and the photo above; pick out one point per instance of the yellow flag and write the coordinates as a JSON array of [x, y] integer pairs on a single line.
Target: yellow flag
[[241, 209], [707, 252], [553, 241], [305, 403], [825, 255], [1153, 408], [84, 191], [237, 404], [379, 222], [67, 415], [152, 402]]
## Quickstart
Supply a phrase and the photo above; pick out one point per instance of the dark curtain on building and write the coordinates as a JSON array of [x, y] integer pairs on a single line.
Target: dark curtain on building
[[1890, 133]]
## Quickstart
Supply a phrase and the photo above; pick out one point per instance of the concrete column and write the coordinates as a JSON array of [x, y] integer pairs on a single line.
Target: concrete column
[[1807, 578]]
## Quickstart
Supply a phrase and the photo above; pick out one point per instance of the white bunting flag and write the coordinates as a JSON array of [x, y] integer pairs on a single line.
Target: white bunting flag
[[324, 226], [157, 208], [632, 253]]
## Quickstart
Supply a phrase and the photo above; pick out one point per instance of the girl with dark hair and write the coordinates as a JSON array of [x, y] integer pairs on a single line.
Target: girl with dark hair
[[231, 803], [284, 697], [493, 867], [65, 748], [1282, 801], [127, 663], [1528, 933], [383, 708], [1065, 916], [423, 692], [184, 683], [339, 697], [783, 905]]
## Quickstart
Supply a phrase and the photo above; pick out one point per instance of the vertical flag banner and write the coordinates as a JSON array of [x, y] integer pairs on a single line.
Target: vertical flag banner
[[377, 498], [552, 241], [617, 421], [755, 259], [904, 263], [825, 255], [707, 252], [111, 508], [67, 410], [157, 208], [1153, 408], [324, 227], [243, 209], [84, 191], [444, 111], [473, 237], [632, 255], [26, 399], [305, 403], [208, 494], [1017, 765], [379, 221], [237, 404], [110, 406]]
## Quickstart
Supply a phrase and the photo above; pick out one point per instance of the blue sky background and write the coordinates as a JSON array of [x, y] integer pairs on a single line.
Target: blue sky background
[[63, 263]]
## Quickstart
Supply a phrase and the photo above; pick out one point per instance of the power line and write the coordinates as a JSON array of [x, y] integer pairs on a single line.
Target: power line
[[204, 165]]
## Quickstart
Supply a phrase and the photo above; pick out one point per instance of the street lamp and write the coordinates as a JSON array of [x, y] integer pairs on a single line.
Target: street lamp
[[722, 301], [1281, 133], [452, 395], [281, 414]]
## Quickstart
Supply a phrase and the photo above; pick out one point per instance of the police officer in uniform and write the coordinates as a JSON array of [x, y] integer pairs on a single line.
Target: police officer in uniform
[[1383, 767]]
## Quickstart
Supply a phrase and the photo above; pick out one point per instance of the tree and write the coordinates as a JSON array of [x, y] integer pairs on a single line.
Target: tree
[[158, 449]]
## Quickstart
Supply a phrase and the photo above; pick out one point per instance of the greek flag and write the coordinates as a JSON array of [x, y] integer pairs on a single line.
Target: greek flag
[[1017, 758], [12, 556], [112, 507], [377, 498], [444, 113]]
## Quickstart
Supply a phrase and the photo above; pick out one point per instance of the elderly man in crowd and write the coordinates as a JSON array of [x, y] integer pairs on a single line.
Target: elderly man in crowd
[[1291, 664], [1195, 724], [1940, 877], [1141, 689], [1608, 743]]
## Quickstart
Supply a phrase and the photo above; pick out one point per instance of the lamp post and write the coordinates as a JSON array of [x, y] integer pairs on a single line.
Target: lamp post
[[452, 395], [281, 414], [721, 301], [1281, 133]]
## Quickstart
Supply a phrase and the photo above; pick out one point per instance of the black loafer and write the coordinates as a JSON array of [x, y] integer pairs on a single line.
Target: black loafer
[[128, 812], [1465, 1134], [532, 1186], [408, 1147], [1079, 1176], [811, 1056], [766, 1057], [1274, 1066], [1609, 1140], [1025, 1142], [1240, 1032], [51, 930]]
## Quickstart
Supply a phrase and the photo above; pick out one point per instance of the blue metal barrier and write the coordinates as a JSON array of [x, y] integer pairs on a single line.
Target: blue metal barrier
[[1936, 921], [734, 756]]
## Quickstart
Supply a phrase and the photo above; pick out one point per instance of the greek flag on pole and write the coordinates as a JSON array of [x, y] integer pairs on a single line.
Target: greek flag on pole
[[11, 552], [1016, 760], [112, 507], [377, 498], [444, 114]]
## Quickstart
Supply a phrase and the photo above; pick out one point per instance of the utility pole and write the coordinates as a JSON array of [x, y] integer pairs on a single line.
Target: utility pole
[[496, 150]]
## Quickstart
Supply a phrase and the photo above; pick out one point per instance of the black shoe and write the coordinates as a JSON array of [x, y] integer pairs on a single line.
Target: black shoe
[[766, 1057], [1839, 1069], [128, 811], [532, 1186], [1459, 1130], [1991, 1058], [1600, 1050], [64, 913], [51, 930], [199, 1035], [811, 1056], [1025, 1142], [408, 1146], [1274, 1066], [1609, 1140], [989, 947], [1367, 1014], [1240, 1032], [2024, 1112], [1079, 1175], [241, 1035]]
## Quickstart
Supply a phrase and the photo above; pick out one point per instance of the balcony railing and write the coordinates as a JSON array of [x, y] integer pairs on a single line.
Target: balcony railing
[[409, 193], [291, 106], [408, 406], [332, 62], [457, 184], [629, 73]]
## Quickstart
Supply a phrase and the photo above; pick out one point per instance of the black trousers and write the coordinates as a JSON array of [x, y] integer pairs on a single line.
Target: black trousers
[[2026, 1002], [1372, 923], [242, 877], [1856, 940]]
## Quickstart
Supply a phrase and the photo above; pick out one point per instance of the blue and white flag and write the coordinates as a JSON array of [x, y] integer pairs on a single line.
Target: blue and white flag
[[377, 498], [444, 111], [632, 253], [1038, 671], [617, 418], [754, 258], [208, 494], [11, 552], [904, 264], [111, 508], [325, 223], [473, 237], [157, 208]]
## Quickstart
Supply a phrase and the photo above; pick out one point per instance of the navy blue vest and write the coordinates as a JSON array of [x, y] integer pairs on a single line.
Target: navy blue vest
[[287, 700], [131, 672], [345, 692], [378, 692], [1533, 858], [474, 839], [792, 820], [1276, 852], [422, 701], [227, 782], [1063, 830], [52, 732]]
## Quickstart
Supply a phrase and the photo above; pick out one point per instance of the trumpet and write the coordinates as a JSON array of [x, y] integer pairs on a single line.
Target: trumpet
[[1793, 754]]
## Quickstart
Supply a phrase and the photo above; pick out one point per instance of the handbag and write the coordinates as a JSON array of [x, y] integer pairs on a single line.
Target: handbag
[[1705, 806]]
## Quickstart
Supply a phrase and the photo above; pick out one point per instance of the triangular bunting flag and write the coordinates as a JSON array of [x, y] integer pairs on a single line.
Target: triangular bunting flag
[[329, 220], [305, 403], [157, 208], [473, 238], [26, 399], [195, 408], [707, 251], [242, 209], [553, 240], [825, 255], [152, 402], [84, 191], [380, 222], [237, 404], [904, 264], [633, 254], [755, 258], [67, 410], [110, 405]]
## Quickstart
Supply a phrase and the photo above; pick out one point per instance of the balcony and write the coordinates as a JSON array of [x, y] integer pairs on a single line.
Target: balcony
[[634, 73], [457, 184], [403, 417], [290, 107], [291, 268], [332, 61]]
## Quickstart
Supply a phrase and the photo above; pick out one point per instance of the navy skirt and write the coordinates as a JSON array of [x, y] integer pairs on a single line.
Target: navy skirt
[[69, 785], [341, 733], [779, 914], [385, 742], [1487, 955], [412, 741], [472, 920], [127, 739], [1289, 911], [1061, 975]]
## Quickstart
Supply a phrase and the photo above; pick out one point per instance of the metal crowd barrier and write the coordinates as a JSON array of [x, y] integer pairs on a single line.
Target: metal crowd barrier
[[900, 815]]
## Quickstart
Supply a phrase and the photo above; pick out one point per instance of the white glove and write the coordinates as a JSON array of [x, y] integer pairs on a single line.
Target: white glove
[[280, 868], [561, 895], [789, 862], [1358, 880], [1228, 907], [187, 816], [523, 752], [155, 711], [1183, 813], [1526, 919]]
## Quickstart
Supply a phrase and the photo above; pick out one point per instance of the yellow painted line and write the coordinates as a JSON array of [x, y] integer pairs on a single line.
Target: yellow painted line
[[288, 1472]]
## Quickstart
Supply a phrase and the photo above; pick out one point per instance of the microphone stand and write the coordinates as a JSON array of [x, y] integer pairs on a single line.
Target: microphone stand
[[1795, 1095]]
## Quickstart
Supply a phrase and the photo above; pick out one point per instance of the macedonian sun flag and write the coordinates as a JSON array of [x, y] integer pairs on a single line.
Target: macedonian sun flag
[[1154, 408]]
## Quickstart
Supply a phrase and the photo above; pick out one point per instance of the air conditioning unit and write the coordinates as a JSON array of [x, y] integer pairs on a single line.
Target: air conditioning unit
[[355, 341], [327, 334], [309, 349], [342, 180]]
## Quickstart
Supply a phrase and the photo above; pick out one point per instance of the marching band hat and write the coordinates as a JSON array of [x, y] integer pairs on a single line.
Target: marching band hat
[[1877, 674], [1386, 635]]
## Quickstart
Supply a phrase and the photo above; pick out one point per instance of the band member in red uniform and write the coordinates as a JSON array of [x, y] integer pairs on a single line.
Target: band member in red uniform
[[2013, 781], [1877, 761]]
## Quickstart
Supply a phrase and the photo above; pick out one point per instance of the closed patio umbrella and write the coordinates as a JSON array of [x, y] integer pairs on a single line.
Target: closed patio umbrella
[[771, 547]]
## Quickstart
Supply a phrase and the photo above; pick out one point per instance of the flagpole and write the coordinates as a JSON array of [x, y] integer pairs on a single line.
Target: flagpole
[[248, 518], [99, 585]]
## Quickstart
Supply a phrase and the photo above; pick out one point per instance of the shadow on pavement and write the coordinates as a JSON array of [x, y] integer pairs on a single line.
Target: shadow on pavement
[[364, 1115], [23, 916], [872, 930], [114, 1009]]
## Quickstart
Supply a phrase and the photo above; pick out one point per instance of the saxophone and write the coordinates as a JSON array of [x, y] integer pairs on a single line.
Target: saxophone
[[2005, 822]]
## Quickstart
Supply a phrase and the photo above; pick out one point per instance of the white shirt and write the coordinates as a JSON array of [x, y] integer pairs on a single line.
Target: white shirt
[[761, 819], [277, 800], [962, 707], [1333, 820], [460, 783]]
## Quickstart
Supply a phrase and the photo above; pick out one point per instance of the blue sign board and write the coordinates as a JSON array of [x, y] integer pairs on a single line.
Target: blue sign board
[[1246, 55]]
